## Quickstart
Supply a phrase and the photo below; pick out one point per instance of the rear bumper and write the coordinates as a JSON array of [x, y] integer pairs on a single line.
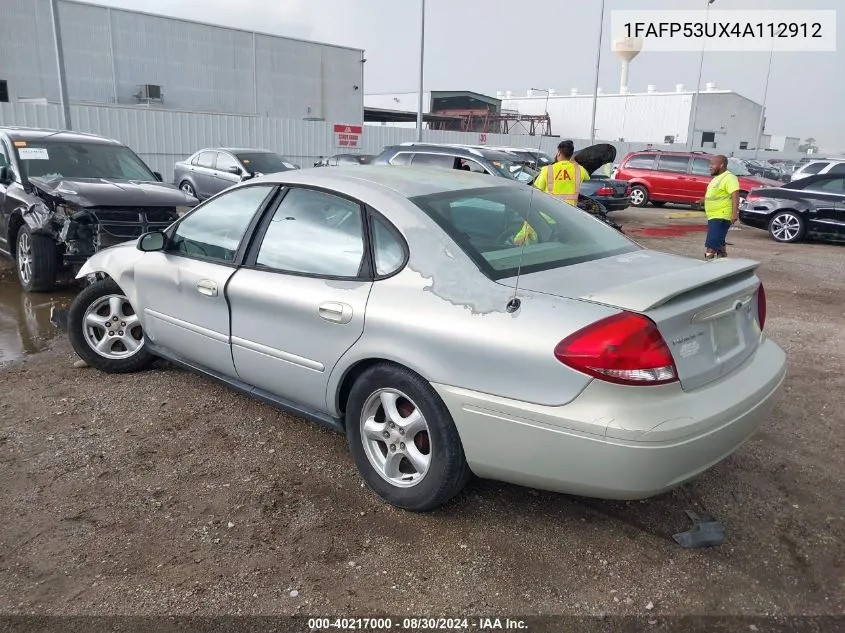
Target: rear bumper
[[614, 204], [617, 442]]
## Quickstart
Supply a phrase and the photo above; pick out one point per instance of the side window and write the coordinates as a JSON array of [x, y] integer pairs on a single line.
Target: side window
[[442, 161], [402, 158], [673, 163], [388, 252], [314, 233], [206, 159], [468, 164], [195, 160], [215, 230], [834, 185], [700, 167], [224, 161], [641, 161], [838, 168], [814, 168]]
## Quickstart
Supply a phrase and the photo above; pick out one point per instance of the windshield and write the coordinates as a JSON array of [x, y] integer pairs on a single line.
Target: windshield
[[514, 170], [61, 159], [265, 162], [737, 168], [488, 223]]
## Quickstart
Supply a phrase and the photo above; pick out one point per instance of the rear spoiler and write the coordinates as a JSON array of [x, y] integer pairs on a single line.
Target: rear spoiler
[[652, 292]]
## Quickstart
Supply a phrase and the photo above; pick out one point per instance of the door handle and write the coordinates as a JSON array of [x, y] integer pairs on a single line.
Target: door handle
[[335, 312], [207, 287]]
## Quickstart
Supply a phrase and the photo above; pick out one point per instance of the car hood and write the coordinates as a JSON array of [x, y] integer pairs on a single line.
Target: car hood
[[97, 192], [594, 156]]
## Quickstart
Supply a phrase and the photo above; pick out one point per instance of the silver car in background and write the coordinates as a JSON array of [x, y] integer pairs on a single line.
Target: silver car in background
[[209, 171], [383, 303]]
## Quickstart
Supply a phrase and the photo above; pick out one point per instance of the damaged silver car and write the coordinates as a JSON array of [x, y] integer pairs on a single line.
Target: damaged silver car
[[66, 195]]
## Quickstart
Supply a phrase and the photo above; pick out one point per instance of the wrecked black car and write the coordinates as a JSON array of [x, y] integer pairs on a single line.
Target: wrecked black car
[[66, 195]]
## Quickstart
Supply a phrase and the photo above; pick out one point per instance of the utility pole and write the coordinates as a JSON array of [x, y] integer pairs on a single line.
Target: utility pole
[[763, 109], [596, 86], [422, 63], [60, 64], [698, 84]]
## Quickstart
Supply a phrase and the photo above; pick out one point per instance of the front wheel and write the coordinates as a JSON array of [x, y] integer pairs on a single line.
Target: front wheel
[[639, 196], [403, 439], [105, 330], [787, 226], [37, 261]]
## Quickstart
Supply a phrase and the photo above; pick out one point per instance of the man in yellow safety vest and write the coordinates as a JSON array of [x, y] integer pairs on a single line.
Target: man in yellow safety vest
[[562, 179]]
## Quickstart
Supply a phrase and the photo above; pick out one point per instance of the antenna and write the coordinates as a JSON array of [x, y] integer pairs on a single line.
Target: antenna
[[514, 303]]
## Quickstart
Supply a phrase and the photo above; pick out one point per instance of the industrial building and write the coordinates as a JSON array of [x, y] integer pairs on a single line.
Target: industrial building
[[129, 58]]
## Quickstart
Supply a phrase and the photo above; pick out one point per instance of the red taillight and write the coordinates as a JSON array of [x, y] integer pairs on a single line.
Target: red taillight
[[625, 348], [761, 306], [604, 191]]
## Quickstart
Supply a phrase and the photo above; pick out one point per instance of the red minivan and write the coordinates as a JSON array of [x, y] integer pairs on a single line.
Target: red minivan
[[660, 177]]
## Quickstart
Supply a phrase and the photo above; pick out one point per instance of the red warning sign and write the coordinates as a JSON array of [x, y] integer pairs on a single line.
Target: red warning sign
[[347, 135]]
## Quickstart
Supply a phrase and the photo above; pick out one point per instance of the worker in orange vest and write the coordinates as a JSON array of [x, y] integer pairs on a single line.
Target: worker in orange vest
[[562, 179]]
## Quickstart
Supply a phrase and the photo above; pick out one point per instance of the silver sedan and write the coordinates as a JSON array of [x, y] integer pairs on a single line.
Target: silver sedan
[[448, 324]]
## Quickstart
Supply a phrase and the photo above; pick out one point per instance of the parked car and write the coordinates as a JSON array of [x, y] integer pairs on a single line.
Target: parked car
[[811, 207], [209, 171], [339, 160], [680, 177], [402, 301], [760, 168], [822, 166], [66, 195]]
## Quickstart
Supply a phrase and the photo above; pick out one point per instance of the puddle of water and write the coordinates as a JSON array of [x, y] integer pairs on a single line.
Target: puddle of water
[[25, 326]]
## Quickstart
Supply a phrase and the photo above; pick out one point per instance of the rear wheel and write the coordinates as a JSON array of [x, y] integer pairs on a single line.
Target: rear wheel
[[639, 196], [787, 226], [403, 439], [188, 188], [37, 260], [105, 330]]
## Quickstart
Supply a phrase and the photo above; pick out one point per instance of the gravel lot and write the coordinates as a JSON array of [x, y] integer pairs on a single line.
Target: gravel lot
[[166, 493]]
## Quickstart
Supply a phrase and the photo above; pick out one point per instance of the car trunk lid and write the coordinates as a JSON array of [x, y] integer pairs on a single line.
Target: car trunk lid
[[705, 311]]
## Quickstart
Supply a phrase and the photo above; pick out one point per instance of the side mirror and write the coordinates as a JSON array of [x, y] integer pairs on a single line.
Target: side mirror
[[158, 176], [234, 169], [152, 241]]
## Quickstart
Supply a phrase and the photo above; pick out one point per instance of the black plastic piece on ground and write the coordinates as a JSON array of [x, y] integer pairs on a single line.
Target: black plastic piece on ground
[[706, 532], [58, 317]]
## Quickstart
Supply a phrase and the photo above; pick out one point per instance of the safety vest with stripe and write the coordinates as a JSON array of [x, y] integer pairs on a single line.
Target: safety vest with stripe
[[563, 180]]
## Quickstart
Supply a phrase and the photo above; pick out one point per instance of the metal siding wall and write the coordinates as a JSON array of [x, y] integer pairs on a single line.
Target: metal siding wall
[[198, 66], [87, 48], [27, 53], [289, 78], [342, 71]]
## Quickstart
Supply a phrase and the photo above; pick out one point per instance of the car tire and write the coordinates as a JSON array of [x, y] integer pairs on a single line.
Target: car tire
[[658, 203], [639, 196], [391, 467], [787, 227], [36, 260], [96, 306], [188, 188]]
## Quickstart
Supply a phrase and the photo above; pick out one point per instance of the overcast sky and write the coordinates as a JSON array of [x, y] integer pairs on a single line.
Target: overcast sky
[[490, 45]]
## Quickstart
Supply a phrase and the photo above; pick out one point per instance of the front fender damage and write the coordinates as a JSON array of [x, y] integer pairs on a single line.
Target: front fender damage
[[73, 228]]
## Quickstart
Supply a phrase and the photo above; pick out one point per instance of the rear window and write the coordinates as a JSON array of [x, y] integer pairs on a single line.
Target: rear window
[[641, 161], [485, 222]]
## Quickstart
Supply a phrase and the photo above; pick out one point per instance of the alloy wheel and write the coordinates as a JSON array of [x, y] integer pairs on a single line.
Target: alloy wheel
[[786, 227], [637, 197], [111, 327], [396, 438], [188, 189], [24, 257]]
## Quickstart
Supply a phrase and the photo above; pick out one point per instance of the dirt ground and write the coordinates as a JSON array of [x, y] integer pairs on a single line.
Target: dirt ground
[[163, 492]]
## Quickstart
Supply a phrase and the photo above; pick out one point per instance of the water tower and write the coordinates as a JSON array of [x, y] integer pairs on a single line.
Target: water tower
[[626, 49]]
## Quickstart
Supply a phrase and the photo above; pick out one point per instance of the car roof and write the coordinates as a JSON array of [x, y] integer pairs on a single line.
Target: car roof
[[36, 134], [464, 151], [406, 181], [234, 150]]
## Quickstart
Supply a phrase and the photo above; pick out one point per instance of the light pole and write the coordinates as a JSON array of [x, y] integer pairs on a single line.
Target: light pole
[[698, 83], [422, 59], [60, 65], [763, 109], [596, 86]]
